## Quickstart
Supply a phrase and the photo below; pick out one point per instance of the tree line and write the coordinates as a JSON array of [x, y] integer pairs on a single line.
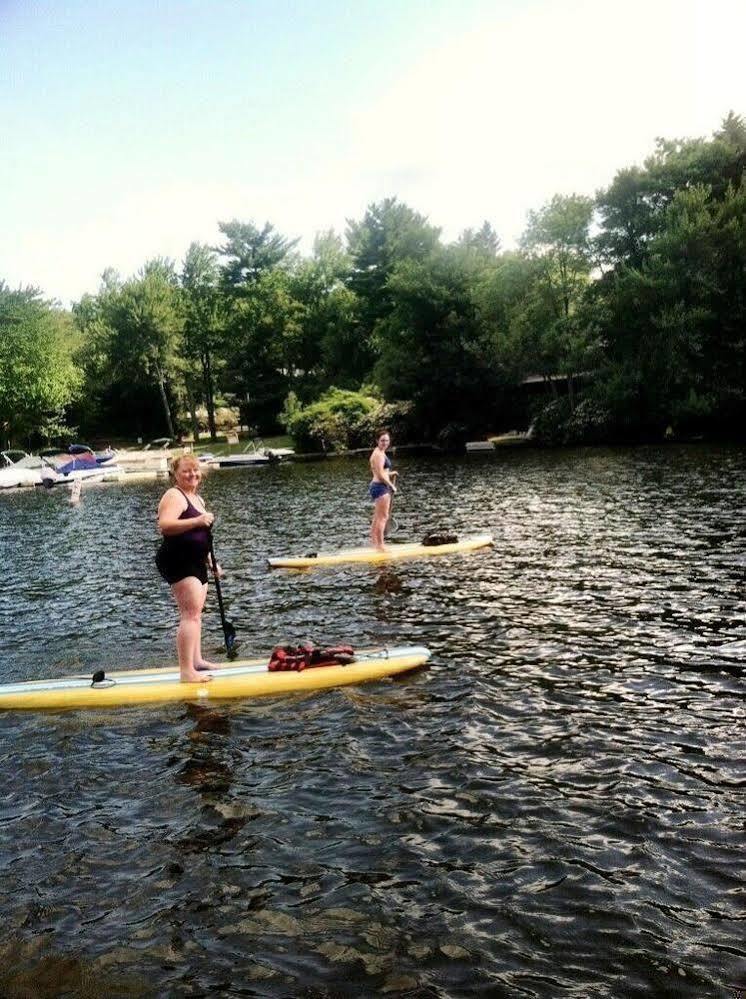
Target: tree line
[[630, 306]]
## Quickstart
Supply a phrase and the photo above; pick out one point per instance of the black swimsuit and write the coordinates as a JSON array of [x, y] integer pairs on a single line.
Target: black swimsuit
[[183, 555]]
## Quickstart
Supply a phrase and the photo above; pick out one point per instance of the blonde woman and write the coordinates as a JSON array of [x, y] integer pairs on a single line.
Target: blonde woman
[[182, 560]]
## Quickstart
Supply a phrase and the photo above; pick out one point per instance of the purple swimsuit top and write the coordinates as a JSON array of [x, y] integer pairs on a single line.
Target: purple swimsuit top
[[197, 536]]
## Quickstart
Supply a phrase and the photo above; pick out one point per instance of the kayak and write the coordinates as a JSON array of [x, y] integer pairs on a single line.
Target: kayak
[[245, 678], [393, 553]]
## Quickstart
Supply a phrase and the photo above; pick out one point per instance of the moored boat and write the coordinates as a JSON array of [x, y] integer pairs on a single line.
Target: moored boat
[[153, 457], [79, 463], [55, 467], [255, 453], [251, 455], [20, 469]]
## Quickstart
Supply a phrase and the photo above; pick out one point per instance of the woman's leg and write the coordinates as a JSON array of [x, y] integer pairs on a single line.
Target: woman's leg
[[199, 659], [380, 516], [374, 526], [190, 598]]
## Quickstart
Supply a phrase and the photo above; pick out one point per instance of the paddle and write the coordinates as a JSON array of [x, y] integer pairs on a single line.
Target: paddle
[[231, 645], [392, 525]]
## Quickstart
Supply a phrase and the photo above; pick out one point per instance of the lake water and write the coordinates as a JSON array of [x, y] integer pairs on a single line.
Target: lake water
[[555, 807]]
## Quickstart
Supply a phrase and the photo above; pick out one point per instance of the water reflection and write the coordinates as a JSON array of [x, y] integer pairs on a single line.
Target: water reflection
[[388, 582]]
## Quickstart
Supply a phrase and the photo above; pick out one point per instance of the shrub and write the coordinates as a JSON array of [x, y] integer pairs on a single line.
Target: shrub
[[453, 436], [590, 423], [693, 413], [342, 419], [226, 418], [394, 416], [549, 423]]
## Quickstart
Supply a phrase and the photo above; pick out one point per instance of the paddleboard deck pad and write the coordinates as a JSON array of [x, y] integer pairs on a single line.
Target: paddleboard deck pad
[[245, 678], [393, 553]]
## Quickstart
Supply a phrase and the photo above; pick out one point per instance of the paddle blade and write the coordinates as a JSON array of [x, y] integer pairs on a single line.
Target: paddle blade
[[231, 642], [392, 527]]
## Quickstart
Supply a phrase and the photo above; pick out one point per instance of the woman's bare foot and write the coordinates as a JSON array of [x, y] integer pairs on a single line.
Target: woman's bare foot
[[202, 666], [193, 676]]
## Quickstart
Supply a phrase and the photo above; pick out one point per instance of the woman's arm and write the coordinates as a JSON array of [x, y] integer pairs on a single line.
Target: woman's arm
[[170, 508]]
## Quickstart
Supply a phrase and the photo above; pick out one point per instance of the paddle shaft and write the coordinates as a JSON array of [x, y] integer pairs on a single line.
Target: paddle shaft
[[229, 631], [391, 526]]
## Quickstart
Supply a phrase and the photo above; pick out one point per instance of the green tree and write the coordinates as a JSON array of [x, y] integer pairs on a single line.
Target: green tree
[[265, 334], [558, 236], [632, 210], [483, 241], [675, 326], [626, 219], [249, 252], [38, 378], [557, 240], [97, 406], [204, 327], [137, 327], [433, 347], [514, 302], [389, 233], [670, 309], [263, 320], [329, 346]]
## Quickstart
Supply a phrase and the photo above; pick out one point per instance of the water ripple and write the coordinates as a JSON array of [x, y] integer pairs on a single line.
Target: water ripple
[[554, 807]]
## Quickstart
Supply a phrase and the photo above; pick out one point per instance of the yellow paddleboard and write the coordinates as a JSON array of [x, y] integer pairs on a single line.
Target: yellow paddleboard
[[246, 678], [393, 553]]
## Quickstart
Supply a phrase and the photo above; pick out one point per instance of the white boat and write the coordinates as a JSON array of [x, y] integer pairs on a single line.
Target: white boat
[[78, 464], [279, 453], [241, 460], [20, 469], [153, 457], [255, 453], [107, 458], [53, 467], [251, 455]]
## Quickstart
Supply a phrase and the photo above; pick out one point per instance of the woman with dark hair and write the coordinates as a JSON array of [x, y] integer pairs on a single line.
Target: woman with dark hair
[[182, 560], [381, 488]]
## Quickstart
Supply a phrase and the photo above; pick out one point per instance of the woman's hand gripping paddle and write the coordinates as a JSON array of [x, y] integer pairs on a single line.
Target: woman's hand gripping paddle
[[231, 645]]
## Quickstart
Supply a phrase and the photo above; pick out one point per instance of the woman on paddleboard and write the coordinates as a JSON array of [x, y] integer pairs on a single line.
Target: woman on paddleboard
[[381, 489], [182, 560]]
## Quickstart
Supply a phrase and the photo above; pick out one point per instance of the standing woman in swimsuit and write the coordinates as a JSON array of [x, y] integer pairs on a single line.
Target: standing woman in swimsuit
[[381, 488], [182, 561]]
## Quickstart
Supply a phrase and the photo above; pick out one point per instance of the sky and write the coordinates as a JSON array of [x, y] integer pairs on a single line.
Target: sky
[[130, 129]]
